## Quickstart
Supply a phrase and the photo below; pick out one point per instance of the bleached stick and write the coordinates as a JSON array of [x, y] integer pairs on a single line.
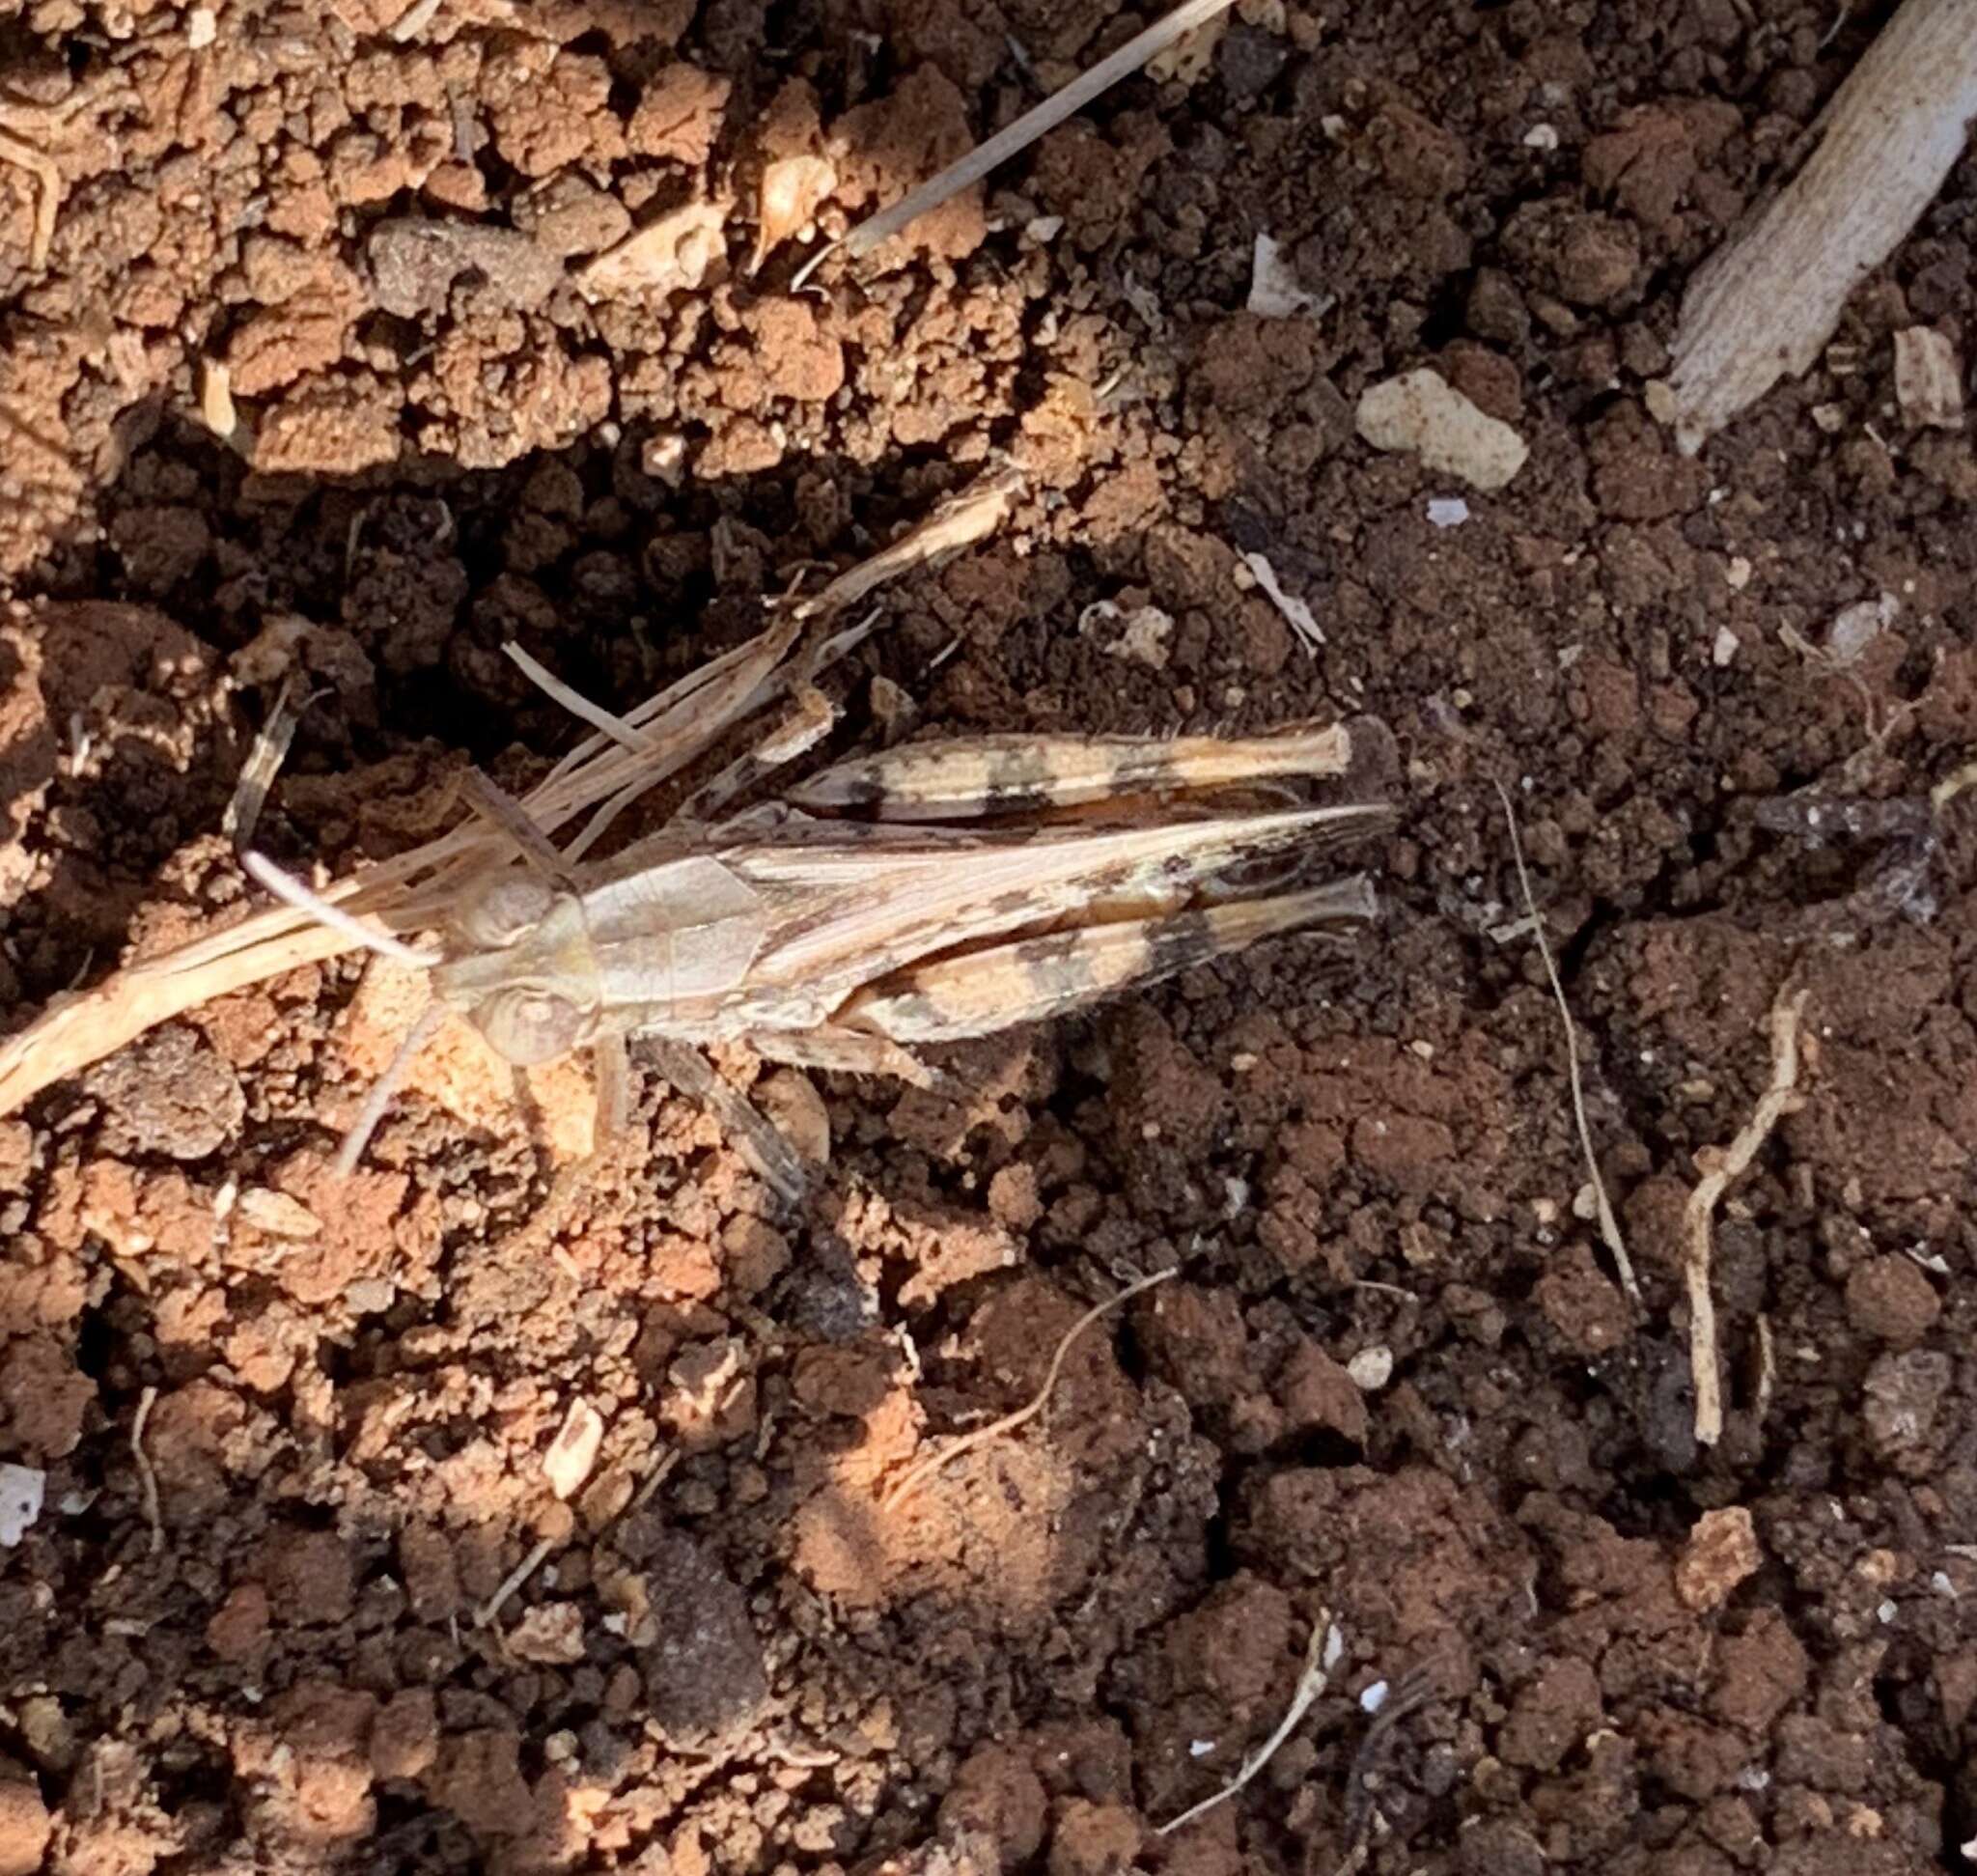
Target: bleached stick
[[1035, 123], [1765, 304]]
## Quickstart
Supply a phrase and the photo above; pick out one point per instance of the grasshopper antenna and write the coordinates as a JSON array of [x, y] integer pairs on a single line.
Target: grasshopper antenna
[[291, 891], [383, 1088]]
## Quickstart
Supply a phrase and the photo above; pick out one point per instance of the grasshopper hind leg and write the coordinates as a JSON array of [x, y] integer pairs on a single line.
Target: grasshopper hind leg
[[754, 1135]]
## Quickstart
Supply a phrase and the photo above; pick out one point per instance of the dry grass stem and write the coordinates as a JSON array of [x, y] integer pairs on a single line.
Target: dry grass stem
[[146, 1479], [405, 895], [539, 1554], [1319, 1658], [1025, 130], [1719, 1168], [1765, 304], [1610, 1224], [1008, 1423], [263, 763]]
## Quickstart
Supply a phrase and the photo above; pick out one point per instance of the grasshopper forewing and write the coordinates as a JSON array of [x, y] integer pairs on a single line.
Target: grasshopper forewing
[[992, 881]]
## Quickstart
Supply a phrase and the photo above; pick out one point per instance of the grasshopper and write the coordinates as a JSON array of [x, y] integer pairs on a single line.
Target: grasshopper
[[929, 893], [920, 896]]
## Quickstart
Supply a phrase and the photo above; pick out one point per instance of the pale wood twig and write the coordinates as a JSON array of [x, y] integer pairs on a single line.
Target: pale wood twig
[[1766, 302]]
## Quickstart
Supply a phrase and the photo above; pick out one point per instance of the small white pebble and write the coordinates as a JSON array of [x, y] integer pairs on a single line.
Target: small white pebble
[[1942, 1585], [202, 28], [1200, 1748], [1724, 651], [1448, 511], [1374, 1697], [1888, 1610], [21, 1491], [1334, 1649], [1372, 1368], [1738, 573], [1542, 136]]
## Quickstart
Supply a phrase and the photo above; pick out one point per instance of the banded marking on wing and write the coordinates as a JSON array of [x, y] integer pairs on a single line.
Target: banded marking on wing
[[1017, 774], [974, 994]]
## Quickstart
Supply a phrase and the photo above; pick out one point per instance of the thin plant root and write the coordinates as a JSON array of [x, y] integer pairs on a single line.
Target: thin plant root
[[1610, 1224], [1719, 1168], [1321, 1656], [911, 1481], [1025, 130], [146, 1479]]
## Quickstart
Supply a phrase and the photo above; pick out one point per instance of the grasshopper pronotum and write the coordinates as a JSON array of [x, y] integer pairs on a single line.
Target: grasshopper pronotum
[[922, 895]]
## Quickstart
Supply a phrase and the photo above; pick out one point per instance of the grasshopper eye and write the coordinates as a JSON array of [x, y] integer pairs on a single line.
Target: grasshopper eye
[[528, 1026], [503, 909]]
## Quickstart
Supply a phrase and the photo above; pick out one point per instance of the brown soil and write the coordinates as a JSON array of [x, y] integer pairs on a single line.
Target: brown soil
[[1606, 1650]]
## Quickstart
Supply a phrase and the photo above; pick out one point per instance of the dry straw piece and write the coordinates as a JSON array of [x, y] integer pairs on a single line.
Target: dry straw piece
[[1610, 1224], [1765, 304], [1038, 122]]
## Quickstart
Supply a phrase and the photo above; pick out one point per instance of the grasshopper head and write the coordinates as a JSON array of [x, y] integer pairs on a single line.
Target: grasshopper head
[[522, 974]]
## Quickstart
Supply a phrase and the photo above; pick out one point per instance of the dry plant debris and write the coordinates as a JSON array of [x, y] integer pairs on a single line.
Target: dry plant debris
[[1609, 1223], [1321, 1656], [1046, 117], [147, 1478], [1721, 1168], [1765, 304], [918, 1475]]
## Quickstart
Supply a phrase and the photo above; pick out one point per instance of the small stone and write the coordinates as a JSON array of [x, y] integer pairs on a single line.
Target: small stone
[[1447, 511], [1372, 1368], [26, 1827], [574, 1450], [202, 28], [1904, 1398], [1276, 291], [1249, 61], [1929, 378], [1723, 651], [1420, 414], [22, 1488], [1722, 1551], [1857, 626], [371, 1296], [170, 1093], [1889, 1299], [672, 254], [550, 1633]]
